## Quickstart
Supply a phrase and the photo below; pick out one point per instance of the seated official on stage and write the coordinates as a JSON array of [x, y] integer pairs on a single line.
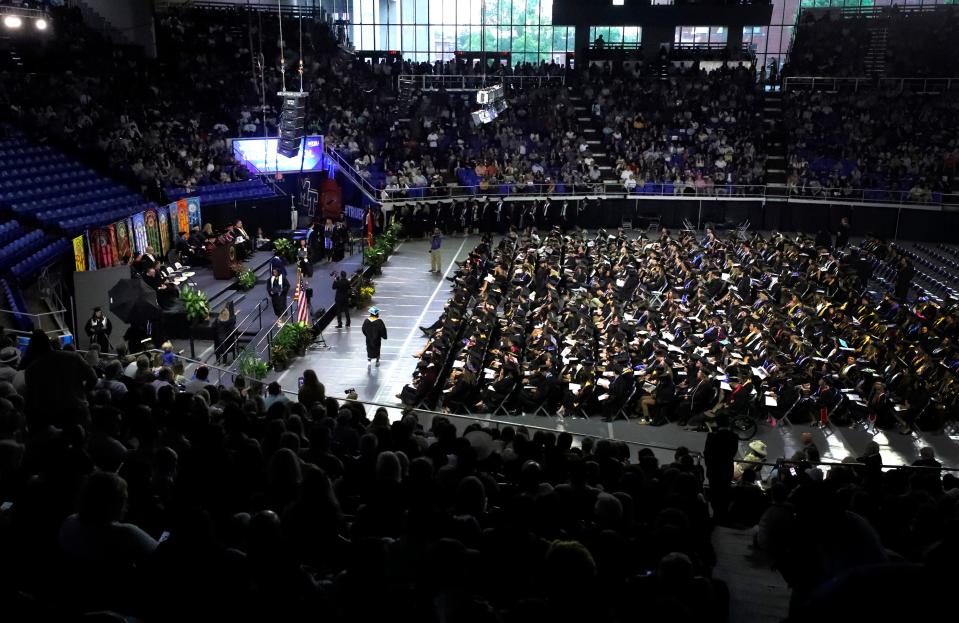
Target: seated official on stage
[[167, 292], [686, 330]]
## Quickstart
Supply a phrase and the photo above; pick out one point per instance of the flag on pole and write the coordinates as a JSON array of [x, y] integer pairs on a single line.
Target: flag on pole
[[369, 227], [302, 313]]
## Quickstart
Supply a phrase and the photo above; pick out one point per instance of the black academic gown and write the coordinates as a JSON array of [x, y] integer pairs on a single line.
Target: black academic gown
[[99, 332], [375, 332]]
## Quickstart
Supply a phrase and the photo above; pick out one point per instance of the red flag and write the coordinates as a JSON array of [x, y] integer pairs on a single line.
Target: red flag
[[369, 228]]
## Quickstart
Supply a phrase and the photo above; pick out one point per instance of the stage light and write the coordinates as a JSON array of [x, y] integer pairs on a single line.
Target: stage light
[[12, 21], [41, 24]]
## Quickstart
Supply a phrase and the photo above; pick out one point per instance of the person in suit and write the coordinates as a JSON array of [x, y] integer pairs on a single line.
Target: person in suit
[[374, 330], [148, 259], [341, 299], [98, 329], [278, 287]]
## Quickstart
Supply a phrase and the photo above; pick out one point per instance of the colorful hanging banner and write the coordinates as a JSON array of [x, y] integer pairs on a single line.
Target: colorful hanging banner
[[79, 254], [139, 233], [183, 214], [163, 219], [153, 230], [101, 247], [193, 209], [121, 230]]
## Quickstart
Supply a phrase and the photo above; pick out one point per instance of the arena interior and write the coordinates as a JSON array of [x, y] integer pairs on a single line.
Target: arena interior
[[478, 311]]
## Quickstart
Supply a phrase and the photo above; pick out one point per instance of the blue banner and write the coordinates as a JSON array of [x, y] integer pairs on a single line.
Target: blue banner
[[139, 233], [193, 210]]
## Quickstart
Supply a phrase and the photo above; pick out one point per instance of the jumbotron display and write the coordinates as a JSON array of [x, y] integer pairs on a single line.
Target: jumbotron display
[[261, 154]]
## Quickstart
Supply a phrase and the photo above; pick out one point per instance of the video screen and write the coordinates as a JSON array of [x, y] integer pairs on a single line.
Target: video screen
[[260, 154]]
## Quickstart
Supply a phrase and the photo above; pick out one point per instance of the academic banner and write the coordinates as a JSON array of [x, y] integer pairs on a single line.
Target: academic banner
[[153, 230], [79, 254], [183, 214], [139, 233], [163, 219], [102, 252], [123, 234], [193, 211]]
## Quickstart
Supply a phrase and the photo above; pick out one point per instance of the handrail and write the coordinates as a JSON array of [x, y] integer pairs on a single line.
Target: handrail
[[472, 418], [896, 84], [350, 171], [426, 82], [291, 10], [785, 461], [242, 324]]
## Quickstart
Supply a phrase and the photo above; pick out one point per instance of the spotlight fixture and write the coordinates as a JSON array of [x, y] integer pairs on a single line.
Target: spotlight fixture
[[41, 24], [12, 21]]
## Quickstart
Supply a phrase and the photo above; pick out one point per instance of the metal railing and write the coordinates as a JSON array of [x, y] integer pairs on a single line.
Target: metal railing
[[254, 315], [855, 84], [616, 190], [307, 9], [346, 167], [37, 319], [432, 82]]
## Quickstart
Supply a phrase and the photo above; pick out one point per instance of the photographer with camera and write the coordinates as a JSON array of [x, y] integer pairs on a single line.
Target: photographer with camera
[[341, 301]]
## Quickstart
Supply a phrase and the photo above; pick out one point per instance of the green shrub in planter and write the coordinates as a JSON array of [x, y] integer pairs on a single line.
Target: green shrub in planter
[[375, 257], [246, 279], [196, 304], [251, 366], [285, 248]]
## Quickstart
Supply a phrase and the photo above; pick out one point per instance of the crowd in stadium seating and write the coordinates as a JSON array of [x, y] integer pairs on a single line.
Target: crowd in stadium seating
[[134, 490], [894, 145], [133, 496], [699, 131], [827, 45]]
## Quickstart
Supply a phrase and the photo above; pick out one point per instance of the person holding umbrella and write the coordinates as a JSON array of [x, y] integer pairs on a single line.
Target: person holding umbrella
[[134, 302], [374, 330], [98, 329]]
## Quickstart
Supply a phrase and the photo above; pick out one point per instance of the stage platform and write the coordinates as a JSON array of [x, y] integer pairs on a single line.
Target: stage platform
[[222, 292], [410, 297]]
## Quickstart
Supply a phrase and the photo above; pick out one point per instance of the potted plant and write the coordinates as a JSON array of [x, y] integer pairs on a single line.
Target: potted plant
[[362, 291], [196, 305], [245, 279], [374, 257], [287, 340], [284, 247], [249, 365]]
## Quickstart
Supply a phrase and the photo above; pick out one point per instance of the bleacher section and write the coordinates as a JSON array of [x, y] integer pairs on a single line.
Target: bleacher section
[[213, 194], [45, 199]]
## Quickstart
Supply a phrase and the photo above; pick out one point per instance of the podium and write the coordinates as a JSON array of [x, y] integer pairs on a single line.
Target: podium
[[222, 259]]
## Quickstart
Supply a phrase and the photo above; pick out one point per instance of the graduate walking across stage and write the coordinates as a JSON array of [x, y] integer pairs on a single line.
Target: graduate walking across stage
[[375, 332]]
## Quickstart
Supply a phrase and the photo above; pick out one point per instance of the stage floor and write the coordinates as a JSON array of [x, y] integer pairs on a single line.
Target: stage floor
[[410, 297]]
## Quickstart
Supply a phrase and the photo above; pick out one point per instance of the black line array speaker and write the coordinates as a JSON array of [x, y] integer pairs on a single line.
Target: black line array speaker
[[292, 123]]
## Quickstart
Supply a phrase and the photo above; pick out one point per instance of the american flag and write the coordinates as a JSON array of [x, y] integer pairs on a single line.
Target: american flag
[[302, 313]]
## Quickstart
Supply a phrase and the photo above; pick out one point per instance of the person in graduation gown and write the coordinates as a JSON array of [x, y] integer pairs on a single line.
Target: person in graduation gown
[[278, 287], [374, 330], [98, 329], [341, 236]]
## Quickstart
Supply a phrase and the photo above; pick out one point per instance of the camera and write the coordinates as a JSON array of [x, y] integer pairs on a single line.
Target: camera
[[333, 274], [351, 390]]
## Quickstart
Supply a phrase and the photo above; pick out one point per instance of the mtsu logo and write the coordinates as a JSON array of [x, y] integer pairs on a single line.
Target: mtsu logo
[[309, 197]]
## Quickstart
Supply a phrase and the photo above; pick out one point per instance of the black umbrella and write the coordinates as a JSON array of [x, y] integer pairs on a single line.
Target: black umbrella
[[133, 301]]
